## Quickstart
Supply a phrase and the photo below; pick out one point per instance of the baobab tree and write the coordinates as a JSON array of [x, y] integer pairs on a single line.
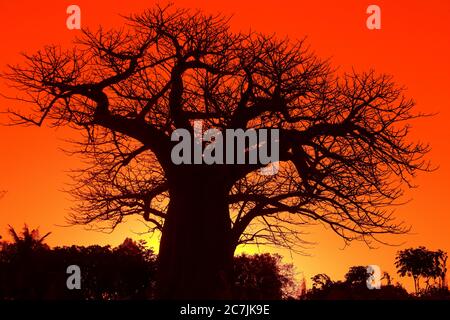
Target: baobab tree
[[344, 149]]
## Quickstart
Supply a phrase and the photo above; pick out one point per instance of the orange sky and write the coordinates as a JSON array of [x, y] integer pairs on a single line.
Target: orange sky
[[413, 45]]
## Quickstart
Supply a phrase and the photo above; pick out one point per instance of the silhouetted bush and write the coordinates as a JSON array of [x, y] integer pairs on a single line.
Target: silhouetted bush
[[29, 269], [353, 288], [262, 277]]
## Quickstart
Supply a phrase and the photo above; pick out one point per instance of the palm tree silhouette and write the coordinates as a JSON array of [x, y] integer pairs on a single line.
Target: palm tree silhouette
[[27, 240]]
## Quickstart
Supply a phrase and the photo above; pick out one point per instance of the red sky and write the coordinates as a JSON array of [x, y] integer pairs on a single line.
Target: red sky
[[413, 45]]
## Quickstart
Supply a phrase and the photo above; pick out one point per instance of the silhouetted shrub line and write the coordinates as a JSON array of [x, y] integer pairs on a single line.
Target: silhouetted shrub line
[[31, 270]]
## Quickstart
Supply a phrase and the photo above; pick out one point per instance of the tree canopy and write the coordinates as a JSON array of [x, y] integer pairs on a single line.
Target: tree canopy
[[344, 148], [422, 263]]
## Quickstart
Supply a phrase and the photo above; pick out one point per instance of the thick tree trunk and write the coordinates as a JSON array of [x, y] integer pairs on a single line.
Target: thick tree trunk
[[196, 255]]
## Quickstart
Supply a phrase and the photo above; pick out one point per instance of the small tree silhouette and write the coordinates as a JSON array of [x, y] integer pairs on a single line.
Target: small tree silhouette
[[321, 281], [28, 240], [356, 276], [262, 277], [421, 263], [23, 266], [386, 276]]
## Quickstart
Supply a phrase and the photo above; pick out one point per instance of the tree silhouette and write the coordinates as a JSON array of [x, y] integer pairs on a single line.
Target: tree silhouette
[[22, 264], [321, 281], [262, 277], [27, 240], [357, 276], [386, 276], [37, 271], [344, 149], [353, 288], [125, 272], [421, 263]]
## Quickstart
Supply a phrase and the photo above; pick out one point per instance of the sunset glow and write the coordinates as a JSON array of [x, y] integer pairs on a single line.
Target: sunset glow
[[413, 45]]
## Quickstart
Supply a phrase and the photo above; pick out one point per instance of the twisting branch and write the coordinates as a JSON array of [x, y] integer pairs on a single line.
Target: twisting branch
[[345, 153]]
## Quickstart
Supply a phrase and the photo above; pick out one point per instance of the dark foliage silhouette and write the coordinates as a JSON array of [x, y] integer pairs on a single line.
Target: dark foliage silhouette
[[29, 269], [125, 272], [321, 281], [263, 277], [356, 276], [423, 264], [38, 272], [22, 264], [353, 288], [345, 152]]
